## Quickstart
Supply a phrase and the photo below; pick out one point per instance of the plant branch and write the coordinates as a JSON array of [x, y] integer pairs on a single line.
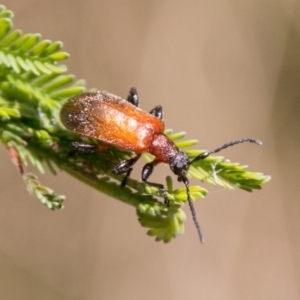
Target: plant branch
[[33, 87]]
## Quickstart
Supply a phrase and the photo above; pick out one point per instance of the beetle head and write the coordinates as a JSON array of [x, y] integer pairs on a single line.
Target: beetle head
[[179, 165]]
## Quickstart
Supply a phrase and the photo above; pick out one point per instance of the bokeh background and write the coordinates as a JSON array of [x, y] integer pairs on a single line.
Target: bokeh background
[[221, 70]]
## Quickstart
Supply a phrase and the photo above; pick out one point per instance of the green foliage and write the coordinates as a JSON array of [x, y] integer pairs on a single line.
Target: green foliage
[[43, 193], [33, 87]]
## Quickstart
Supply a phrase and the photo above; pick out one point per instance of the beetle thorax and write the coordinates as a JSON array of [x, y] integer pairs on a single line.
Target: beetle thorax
[[166, 151], [163, 148]]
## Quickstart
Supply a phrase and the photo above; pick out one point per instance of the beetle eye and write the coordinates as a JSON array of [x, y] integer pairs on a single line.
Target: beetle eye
[[179, 165]]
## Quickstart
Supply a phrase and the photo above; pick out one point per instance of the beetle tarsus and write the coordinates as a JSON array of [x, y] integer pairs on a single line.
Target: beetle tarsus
[[133, 97], [157, 111]]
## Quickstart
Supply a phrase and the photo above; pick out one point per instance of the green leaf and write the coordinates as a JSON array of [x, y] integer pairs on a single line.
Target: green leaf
[[195, 191], [43, 79], [164, 228], [46, 196], [8, 136], [59, 56], [32, 40], [58, 82], [67, 93], [54, 47], [20, 42], [22, 63], [6, 13], [40, 47], [9, 112], [5, 25], [41, 67], [4, 60], [13, 63], [10, 38], [32, 67], [56, 69], [175, 136], [185, 144]]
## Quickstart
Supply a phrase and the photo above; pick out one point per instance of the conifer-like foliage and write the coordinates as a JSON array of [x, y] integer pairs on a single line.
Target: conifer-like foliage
[[33, 87]]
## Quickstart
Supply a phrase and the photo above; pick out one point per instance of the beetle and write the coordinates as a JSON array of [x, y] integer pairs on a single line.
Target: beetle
[[121, 123]]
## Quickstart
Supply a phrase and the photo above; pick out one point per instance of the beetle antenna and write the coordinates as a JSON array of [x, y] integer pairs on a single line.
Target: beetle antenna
[[193, 212], [207, 153]]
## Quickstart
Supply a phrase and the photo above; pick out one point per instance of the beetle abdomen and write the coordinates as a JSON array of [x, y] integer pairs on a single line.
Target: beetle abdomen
[[112, 120]]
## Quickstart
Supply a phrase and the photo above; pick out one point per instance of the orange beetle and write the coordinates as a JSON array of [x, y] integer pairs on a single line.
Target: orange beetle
[[120, 123]]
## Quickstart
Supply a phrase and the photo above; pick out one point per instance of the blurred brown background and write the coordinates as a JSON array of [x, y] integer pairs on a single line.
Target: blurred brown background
[[221, 70]]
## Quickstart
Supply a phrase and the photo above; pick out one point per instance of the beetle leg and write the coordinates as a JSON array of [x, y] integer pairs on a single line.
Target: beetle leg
[[88, 148], [133, 97], [125, 166], [157, 111], [146, 172]]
